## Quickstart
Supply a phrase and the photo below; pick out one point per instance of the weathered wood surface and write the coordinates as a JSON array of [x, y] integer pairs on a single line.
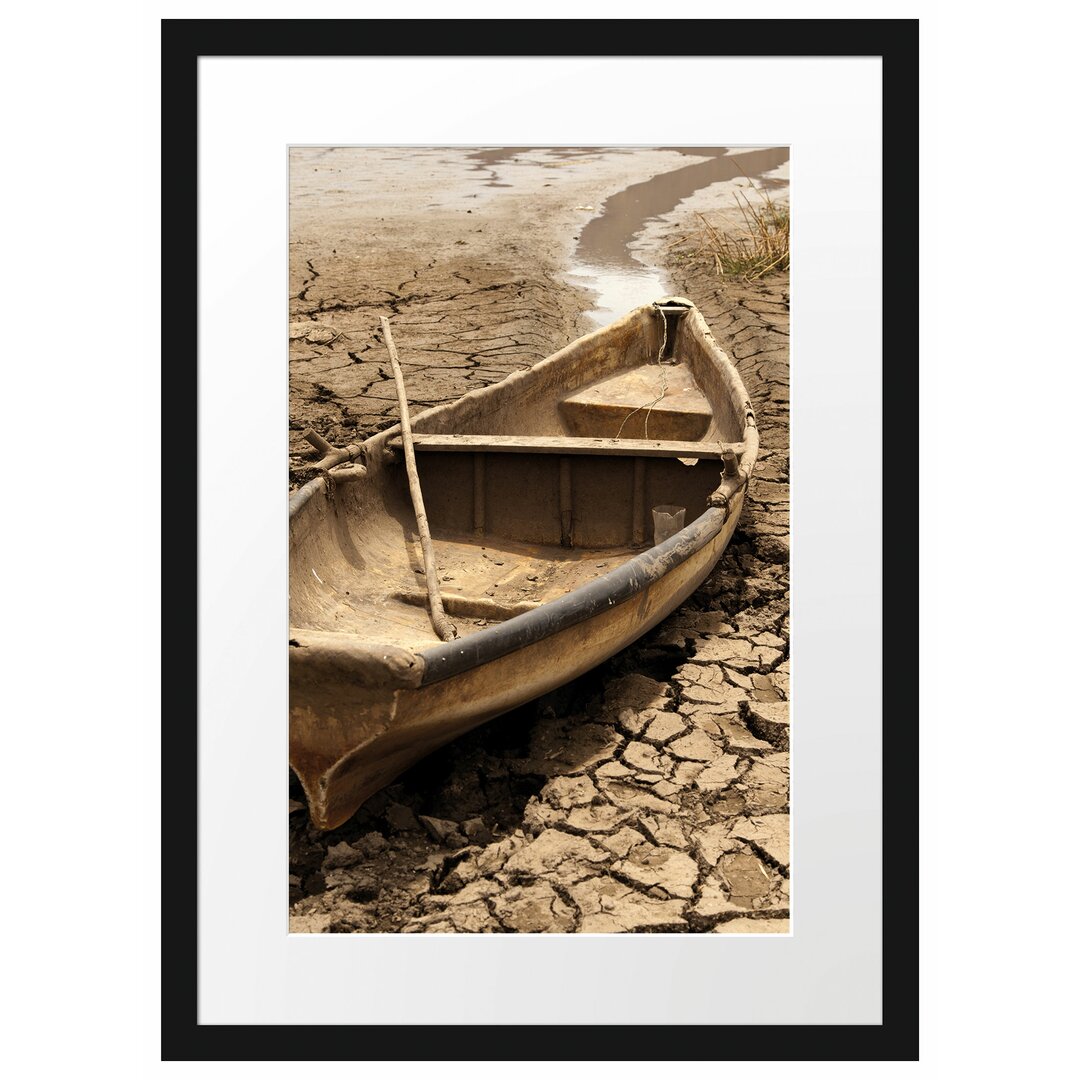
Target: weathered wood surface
[[547, 444]]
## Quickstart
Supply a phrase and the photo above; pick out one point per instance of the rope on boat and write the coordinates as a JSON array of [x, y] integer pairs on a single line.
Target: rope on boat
[[650, 405], [443, 626]]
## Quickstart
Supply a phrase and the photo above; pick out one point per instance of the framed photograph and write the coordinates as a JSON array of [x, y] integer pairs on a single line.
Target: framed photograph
[[544, 406]]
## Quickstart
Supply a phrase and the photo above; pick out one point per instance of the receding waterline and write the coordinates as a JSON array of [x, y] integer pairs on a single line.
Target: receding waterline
[[619, 289], [603, 261]]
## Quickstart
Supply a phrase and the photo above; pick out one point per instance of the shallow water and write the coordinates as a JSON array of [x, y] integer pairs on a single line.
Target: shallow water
[[603, 261], [488, 159]]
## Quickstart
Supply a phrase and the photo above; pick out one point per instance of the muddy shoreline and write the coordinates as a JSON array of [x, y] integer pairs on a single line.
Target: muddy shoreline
[[652, 793]]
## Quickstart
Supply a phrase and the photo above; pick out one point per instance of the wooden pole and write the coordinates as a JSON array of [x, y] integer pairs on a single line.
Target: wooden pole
[[443, 626]]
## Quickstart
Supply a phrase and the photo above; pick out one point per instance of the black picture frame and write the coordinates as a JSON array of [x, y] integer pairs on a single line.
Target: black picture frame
[[182, 43]]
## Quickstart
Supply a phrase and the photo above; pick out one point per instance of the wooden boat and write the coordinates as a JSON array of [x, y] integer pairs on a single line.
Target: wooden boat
[[539, 491]]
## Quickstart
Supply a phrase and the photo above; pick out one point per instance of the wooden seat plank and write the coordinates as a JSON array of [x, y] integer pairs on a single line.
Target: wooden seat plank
[[553, 444]]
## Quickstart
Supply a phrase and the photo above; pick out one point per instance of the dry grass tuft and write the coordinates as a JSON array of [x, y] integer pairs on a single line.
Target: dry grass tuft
[[761, 247]]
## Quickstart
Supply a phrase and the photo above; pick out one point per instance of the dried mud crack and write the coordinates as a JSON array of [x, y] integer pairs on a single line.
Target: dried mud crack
[[651, 795]]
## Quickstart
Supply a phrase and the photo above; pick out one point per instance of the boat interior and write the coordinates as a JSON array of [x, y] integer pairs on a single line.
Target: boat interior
[[533, 487]]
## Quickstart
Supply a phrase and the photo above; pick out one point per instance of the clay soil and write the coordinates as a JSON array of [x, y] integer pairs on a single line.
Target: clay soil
[[651, 794]]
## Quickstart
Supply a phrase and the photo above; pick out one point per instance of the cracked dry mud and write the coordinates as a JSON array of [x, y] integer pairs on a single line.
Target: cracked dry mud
[[651, 795], [455, 333]]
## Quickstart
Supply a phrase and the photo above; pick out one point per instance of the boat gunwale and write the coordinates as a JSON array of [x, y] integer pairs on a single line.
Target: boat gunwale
[[617, 586]]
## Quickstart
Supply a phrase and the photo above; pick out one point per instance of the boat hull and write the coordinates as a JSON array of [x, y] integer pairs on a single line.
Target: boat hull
[[370, 734], [546, 471]]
